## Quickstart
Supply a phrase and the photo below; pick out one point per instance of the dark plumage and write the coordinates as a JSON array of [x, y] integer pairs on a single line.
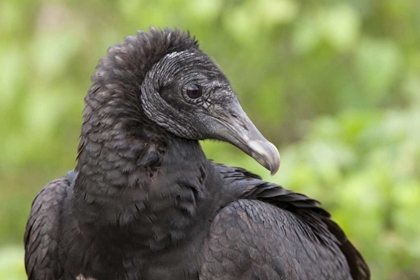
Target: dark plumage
[[145, 203]]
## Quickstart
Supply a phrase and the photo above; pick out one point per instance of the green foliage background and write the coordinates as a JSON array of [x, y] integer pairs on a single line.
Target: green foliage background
[[334, 84]]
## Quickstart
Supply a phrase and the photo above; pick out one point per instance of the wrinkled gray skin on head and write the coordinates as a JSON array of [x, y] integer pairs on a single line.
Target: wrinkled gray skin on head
[[217, 114]]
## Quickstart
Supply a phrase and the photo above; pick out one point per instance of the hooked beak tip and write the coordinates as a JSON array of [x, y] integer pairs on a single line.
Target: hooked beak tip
[[266, 154]]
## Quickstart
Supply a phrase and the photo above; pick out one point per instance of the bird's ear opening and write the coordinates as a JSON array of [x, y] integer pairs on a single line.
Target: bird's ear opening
[[164, 92]]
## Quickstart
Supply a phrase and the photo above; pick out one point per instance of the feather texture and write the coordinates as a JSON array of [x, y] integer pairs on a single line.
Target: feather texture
[[144, 202]]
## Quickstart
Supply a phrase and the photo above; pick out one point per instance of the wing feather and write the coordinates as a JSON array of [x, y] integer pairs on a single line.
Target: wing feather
[[275, 227], [43, 231]]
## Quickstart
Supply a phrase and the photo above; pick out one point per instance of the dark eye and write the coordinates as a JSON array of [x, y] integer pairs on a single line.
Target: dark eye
[[194, 91]]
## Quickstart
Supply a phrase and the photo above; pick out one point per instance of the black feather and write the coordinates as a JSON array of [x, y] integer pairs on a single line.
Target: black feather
[[145, 203]]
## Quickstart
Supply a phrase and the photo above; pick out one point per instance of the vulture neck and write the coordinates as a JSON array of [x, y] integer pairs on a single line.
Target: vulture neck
[[141, 189]]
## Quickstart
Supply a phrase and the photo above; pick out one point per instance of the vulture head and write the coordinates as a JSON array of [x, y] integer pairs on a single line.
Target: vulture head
[[145, 203], [164, 79]]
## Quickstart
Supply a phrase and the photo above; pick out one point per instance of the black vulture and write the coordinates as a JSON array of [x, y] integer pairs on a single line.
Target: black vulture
[[144, 202]]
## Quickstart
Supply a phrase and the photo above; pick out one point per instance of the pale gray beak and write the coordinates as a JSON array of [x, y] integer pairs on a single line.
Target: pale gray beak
[[236, 128]]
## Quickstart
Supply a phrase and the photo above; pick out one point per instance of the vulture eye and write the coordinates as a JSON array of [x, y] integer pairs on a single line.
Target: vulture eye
[[194, 91]]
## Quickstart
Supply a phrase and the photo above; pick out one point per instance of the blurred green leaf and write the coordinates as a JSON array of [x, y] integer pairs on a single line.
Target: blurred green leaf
[[11, 263], [335, 85]]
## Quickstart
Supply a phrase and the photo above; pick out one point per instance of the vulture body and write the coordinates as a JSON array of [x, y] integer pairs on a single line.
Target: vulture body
[[145, 203]]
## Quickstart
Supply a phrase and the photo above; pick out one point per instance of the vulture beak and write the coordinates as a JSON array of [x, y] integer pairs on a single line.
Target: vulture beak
[[242, 133]]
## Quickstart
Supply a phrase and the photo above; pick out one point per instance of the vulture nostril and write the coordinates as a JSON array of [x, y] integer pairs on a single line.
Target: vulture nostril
[[233, 115]]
